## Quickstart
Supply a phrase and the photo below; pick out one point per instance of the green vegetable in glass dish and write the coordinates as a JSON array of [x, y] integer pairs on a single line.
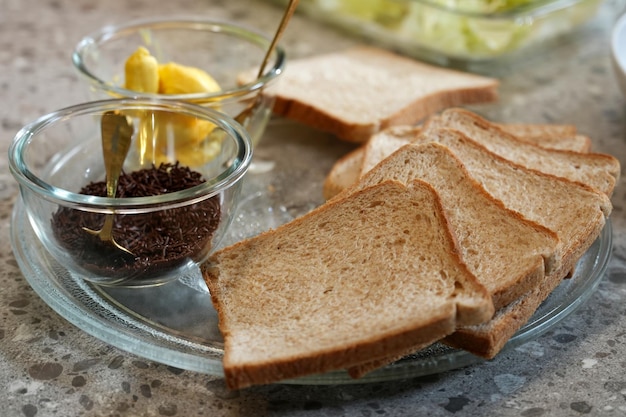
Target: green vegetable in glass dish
[[482, 6], [468, 29], [384, 12]]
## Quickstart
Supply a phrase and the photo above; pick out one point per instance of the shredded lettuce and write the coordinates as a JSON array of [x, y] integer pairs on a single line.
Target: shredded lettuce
[[456, 27], [482, 6]]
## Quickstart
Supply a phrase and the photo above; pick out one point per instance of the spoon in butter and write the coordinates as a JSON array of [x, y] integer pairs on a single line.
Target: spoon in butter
[[116, 131]]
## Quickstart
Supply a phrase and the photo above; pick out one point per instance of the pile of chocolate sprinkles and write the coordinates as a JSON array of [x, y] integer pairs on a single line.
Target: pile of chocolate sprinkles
[[159, 240]]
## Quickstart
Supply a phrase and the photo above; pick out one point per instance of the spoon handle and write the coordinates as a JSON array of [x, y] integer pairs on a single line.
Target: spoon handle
[[117, 133], [291, 8]]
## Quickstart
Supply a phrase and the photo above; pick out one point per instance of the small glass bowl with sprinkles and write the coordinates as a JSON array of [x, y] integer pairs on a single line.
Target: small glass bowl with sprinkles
[[176, 195]]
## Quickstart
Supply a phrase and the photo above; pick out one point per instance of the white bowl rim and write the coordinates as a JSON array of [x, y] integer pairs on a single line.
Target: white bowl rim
[[231, 94], [210, 188], [619, 55]]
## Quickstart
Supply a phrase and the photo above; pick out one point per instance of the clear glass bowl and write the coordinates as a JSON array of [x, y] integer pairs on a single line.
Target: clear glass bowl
[[446, 30], [223, 50], [56, 158]]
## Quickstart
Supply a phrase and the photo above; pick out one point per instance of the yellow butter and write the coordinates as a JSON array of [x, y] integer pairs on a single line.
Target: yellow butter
[[142, 72], [180, 79], [167, 137]]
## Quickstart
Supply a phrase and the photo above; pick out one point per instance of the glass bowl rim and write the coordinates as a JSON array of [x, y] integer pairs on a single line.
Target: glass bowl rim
[[131, 205], [216, 26]]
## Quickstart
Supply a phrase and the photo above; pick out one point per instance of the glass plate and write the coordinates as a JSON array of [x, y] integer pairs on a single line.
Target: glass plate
[[176, 325]]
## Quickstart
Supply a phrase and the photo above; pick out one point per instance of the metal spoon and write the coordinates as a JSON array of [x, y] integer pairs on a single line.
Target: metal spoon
[[291, 8], [116, 131]]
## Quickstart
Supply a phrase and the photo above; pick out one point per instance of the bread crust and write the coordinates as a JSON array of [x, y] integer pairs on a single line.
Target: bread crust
[[239, 376]]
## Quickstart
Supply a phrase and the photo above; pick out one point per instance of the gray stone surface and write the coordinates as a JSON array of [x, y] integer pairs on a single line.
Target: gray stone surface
[[48, 367]]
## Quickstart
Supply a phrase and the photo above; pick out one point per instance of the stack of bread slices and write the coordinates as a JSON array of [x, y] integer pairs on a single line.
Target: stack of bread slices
[[542, 174], [452, 231]]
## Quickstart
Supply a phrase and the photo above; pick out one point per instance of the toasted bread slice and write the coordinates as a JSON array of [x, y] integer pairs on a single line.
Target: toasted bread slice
[[539, 132], [550, 136], [508, 253], [347, 170], [357, 92], [383, 144], [577, 143], [344, 173], [359, 278], [596, 170]]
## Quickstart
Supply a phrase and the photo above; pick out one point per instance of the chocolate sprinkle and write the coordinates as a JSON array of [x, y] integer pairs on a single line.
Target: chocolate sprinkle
[[159, 240]]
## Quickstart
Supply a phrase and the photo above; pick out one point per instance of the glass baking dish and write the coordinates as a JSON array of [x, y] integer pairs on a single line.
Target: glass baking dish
[[444, 30]]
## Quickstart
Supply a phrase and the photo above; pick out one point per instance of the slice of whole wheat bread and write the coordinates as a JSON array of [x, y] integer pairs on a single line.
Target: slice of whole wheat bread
[[357, 279], [347, 170], [385, 143], [550, 136], [599, 171], [359, 91], [539, 132], [344, 173], [508, 253]]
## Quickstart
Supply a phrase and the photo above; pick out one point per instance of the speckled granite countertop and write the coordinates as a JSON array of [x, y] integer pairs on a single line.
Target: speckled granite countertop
[[48, 367]]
